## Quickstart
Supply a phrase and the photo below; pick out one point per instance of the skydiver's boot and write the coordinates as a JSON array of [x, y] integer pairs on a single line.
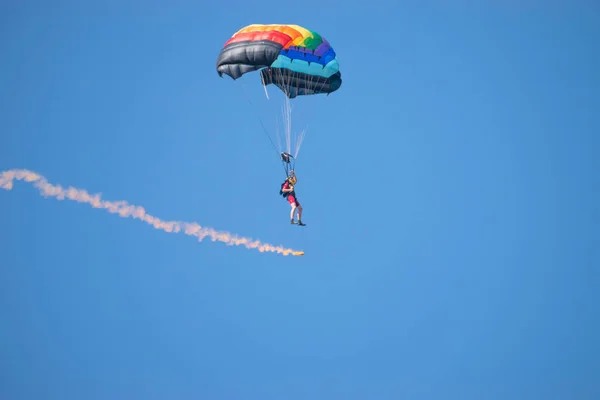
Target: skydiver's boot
[[293, 222], [301, 223]]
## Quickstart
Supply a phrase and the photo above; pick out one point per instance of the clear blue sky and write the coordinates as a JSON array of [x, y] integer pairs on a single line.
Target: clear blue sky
[[450, 189]]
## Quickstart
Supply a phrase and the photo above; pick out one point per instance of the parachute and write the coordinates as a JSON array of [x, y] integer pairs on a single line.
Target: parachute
[[296, 60]]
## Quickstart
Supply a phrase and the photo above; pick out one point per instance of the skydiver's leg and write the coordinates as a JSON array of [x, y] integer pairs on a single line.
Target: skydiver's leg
[[292, 212], [292, 200], [299, 208]]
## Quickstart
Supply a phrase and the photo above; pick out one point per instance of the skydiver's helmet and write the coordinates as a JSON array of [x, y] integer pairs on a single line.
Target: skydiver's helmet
[[292, 178]]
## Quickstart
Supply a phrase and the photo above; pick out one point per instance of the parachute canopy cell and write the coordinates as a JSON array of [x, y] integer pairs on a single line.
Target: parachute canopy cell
[[296, 60]]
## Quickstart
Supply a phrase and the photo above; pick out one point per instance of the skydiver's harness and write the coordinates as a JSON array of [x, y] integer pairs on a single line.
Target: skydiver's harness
[[288, 162], [284, 194]]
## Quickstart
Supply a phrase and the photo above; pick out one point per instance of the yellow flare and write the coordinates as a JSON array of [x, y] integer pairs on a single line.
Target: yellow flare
[[124, 209]]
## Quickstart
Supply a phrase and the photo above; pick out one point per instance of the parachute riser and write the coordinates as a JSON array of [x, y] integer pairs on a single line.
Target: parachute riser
[[289, 163]]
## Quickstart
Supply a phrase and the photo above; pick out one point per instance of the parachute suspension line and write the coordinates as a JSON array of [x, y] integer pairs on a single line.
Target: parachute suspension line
[[292, 141], [288, 162], [277, 130], [259, 117], [287, 121], [287, 159], [299, 141], [312, 86]]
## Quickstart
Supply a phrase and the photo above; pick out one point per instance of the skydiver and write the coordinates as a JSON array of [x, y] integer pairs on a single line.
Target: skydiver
[[287, 191]]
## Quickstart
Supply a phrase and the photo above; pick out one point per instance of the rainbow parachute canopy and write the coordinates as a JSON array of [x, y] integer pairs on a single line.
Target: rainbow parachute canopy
[[297, 60]]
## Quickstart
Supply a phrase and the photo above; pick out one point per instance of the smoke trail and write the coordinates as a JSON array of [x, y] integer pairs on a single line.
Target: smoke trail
[[126, 210]]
